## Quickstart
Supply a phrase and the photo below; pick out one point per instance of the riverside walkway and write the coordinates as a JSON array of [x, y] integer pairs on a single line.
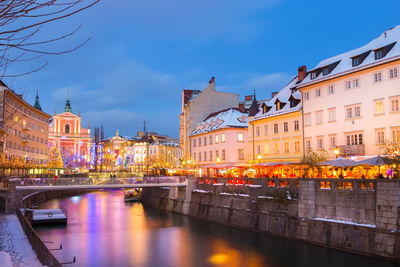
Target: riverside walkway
[[97, 183]]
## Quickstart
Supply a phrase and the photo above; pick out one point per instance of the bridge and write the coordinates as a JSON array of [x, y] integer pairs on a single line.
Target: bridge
[[97, 183]]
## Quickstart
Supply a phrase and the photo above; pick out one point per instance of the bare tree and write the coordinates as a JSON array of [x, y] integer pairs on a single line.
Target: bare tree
[[21, 21]]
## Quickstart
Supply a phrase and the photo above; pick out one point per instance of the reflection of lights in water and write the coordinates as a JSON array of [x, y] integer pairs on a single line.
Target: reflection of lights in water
[[218, 259], [76, 199]]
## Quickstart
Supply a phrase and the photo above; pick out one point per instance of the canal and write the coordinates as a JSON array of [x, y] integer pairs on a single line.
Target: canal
[[102, 230]]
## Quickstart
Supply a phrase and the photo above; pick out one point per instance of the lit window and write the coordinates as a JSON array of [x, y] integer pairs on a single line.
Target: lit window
[[379, 107], [240, 137], [223, 138], [297, 146], [395, 104], [266, 148], [286, 147], [380, 137], [217, 139], [241, 153], [276, 148]]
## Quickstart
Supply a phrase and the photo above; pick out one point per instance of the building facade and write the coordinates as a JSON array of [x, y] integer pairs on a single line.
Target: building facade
[[72, 140], [351, 101], [221, 138], [113, 153], [276, 130], [25, 134], [196, 106]]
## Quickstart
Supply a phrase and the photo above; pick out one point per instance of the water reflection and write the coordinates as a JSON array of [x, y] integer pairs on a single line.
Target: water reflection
[[102, 230]]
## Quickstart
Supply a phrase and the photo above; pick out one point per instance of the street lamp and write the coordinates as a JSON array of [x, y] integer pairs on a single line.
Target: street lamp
[[259, 158], [337, 151]]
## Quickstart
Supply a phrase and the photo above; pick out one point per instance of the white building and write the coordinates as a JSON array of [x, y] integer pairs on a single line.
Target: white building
[[220, 139], [351, 101]]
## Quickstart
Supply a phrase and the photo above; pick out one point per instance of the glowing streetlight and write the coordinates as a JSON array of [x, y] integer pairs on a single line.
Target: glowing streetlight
[[218, 160], [189, 161], [337, 151]]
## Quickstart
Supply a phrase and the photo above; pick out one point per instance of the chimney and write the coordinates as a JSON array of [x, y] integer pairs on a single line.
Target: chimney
[[273, 94], [241, 107], [248, 98], [301, 73], [212, 80]]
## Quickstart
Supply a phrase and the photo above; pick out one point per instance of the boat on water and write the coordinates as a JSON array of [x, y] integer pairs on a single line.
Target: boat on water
[[132, 195], [46, 216]]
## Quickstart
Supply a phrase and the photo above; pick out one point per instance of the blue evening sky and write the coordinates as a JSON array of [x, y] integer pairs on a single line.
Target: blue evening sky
[[143, 52]]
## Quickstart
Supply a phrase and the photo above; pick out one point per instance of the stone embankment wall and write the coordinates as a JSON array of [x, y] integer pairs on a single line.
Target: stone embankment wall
[[351, 215]]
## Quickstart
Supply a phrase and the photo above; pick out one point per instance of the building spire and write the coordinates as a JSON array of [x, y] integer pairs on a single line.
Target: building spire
[[37, 104], [68, 104], [253, 110]]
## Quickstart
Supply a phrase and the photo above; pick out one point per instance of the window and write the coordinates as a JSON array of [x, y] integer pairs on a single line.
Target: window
[[318, 92], [223, 138], [320, 142], [278, 106], [308, 145], [199, 156], [276, 130], [265, 129], [378, 54], [266, 148], [331, 89], [240, 137], [356, 61], [325, 71], [296, 125], [297, 146], [223, 154], [347, 85], [307, 119], [285, 126], [241, 153], [332, 115], [286, 147], [216, 153], [379, 107], [318, 117], [354, 139], [332, 141], [217, 139], [356, 82], [357, 111], [258, 149], [377, 77], [395, 104], [194, 142], [276, 148], [205, 140], [200, 141], [393, 73], [205, 156], [396, 136], [257, 131], [379, 137], [349, 113], [194, 156], [67, 128], [211, 139], [211, 156], [313, 75], [306, 95]]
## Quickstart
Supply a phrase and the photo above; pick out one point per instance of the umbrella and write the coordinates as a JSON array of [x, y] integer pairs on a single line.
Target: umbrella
[[339, 162], [377, 161]]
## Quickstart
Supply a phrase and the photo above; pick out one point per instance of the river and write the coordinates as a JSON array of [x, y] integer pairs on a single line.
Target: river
[[102, 230]]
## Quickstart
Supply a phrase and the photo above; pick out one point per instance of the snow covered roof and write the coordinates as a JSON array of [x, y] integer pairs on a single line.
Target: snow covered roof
[[289, 101], [227, 118], [387, 42]]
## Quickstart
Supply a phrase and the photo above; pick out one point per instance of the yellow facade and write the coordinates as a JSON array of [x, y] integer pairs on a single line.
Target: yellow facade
[[276, 138]]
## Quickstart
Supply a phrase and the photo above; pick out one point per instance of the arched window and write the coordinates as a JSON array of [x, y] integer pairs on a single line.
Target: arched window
[[67, 128]]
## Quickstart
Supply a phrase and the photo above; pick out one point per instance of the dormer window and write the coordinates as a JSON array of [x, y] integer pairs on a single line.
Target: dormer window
[[379, 54], [356, 61], [313, 75], [278, 106], [325, 71], [264, 109]]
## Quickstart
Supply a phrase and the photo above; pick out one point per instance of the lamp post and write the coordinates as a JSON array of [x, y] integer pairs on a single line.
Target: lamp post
[[337, 152], [259, 158]]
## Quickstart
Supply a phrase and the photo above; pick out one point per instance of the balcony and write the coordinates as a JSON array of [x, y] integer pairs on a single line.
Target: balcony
[[25, 140], [25, 128], [352, 150]]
